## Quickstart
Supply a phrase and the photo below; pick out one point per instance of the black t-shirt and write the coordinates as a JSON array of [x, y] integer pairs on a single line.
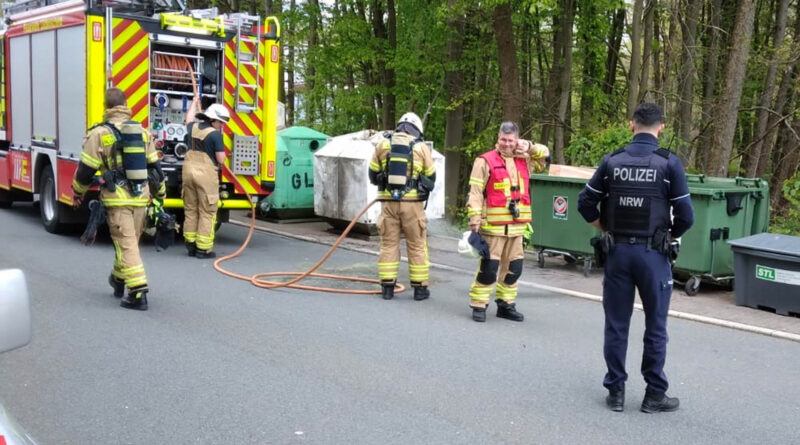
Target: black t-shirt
[[211, 144]]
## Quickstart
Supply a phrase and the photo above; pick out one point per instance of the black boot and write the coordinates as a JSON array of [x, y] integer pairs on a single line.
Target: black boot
[[388, 291], [136, 299], [508, 311], [117, 285], [616, 399], [203, 254], [421, 293], [191, 248], [479, 314], [659, 403]]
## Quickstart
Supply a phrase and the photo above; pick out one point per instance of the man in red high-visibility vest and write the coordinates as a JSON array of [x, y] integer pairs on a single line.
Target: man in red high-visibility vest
[[499, 207]]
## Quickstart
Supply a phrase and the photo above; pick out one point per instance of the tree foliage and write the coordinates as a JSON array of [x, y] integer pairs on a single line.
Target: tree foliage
[[733, 99]]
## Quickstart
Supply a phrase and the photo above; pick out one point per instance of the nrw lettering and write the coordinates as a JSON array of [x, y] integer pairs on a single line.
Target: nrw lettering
[[630, 201]]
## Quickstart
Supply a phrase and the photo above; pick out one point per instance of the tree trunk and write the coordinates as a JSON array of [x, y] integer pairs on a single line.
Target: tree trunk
[[659, 96], [389, 74], [636, 57], [507, 60], [379, 31], [310, 100], [565, 90], [709, 82], [552, 92], [612, 57], [787, 164], [757, 158], [454, 118], [726, 113], [690, 12], [647, 53]]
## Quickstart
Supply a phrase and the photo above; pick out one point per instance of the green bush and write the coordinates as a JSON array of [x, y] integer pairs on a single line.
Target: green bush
[[788, 222], [588, 150]]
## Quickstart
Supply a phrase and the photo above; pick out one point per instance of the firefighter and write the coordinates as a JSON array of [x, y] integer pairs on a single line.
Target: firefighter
[[201, 176], [499, 208], [402, 168], [127, 160]]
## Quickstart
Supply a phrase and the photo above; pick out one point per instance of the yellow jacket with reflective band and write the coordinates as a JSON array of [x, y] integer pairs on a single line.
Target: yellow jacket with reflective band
[[423, 164], [477, 209], [96, 154]]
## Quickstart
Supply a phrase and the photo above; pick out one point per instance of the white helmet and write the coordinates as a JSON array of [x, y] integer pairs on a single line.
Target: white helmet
[[465, 249], [412, 119], [216, 112]]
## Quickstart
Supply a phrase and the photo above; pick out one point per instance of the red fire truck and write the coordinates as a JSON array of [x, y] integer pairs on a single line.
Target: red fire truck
[[57, 59]]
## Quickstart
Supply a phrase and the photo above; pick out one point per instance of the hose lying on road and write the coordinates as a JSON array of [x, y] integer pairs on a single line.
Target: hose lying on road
[[258, 279]]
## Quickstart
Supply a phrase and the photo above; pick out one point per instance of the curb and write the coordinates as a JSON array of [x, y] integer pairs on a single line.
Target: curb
[[582, 295]]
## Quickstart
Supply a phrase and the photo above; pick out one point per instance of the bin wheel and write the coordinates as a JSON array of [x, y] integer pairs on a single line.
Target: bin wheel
[[692, 286], [569, 259], [540, 259], [587, 267]]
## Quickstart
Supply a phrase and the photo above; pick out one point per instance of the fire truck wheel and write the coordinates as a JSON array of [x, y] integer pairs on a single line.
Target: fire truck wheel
[[5, 199], [49, 207]]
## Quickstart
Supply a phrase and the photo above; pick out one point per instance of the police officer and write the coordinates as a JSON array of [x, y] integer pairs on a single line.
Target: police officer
[[636, 186], [201, 177], [499, 207], [402, 168], [121, 149]]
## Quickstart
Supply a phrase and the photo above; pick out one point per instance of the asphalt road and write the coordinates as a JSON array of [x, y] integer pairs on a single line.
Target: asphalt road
[[216, 360]]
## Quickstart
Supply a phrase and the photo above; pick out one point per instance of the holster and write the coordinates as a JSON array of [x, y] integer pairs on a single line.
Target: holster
[[599, 255], [661, 241]]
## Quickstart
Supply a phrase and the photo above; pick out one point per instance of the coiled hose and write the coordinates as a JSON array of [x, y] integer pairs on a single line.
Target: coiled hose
[[258, 279]]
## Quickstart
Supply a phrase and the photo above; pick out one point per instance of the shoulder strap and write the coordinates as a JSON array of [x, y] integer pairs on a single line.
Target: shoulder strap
[[617, 151], [663, 152]]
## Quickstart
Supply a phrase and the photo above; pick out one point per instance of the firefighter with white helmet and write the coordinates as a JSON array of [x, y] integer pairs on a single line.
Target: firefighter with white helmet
[[402, 168], [201, 176], [128, 161], [499, 208]]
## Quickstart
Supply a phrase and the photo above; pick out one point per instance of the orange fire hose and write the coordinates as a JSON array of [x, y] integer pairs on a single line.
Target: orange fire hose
[[257, 279]]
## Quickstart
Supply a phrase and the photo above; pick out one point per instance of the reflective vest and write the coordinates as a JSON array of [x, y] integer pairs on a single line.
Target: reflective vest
[[501, 192], [637, 203]]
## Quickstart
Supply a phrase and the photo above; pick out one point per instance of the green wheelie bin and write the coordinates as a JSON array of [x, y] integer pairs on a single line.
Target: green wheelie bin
[[725, 209], [558, 228]]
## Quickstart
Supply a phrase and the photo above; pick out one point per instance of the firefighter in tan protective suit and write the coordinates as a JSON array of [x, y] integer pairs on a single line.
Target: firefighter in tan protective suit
[[123, 153], [402, 168], [499, 206], [201, 177]]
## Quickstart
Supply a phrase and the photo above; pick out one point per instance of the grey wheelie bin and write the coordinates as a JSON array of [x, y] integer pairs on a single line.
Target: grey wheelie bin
[[768, 272]]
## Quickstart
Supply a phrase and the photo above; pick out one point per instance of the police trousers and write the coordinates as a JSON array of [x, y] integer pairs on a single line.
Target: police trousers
[[505, 254], [407, 218], [126, 225], [630, 266], [200, 199]]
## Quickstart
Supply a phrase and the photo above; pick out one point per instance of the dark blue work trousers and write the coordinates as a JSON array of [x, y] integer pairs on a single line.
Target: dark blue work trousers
[[629, 265]]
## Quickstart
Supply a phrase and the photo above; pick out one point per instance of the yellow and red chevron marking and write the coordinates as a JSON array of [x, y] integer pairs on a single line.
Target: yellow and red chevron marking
[[130, 71], [244, 123]]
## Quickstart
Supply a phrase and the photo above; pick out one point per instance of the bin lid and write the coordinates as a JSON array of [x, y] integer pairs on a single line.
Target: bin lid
[[770, 242], [300, 132]]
